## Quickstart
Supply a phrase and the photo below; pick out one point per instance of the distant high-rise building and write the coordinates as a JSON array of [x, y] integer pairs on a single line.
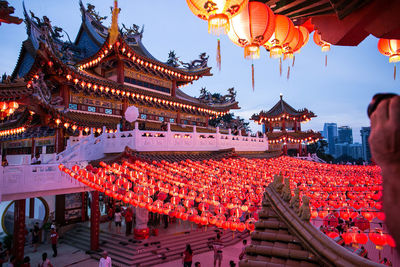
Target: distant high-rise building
[[366, 152], [331, 134], [341, 149], [355, 150], [345, 135]]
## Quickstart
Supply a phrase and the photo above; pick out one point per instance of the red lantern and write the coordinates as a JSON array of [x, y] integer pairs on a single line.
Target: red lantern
[[252, 27], [284, 31], [325, 46], [378, 238]]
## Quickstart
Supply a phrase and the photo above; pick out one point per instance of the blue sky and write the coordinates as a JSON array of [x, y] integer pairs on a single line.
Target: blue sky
[[338, 93]]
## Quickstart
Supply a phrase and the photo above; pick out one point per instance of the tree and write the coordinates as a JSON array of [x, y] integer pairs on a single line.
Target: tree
[[229, 121]]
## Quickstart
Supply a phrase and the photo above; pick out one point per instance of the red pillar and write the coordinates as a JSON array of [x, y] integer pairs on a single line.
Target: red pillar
[[120, 72], [300, 150], [94, 221], [173, 89], [59, 140], [19, 229], [284, 149]]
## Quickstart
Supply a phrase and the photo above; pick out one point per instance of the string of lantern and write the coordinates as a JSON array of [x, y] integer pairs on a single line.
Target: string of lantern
[[127, 51], [18, 130], [7, 108], [99, 87]]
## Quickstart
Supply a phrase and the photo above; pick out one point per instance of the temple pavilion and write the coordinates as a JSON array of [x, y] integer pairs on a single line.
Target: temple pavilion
[[282, 125], [63, 88]]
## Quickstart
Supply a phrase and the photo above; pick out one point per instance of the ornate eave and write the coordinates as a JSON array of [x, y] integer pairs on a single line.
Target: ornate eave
[[293, 137], [5, 14]]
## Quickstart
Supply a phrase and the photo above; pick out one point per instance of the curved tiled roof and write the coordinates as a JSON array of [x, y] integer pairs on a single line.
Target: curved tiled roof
[[282, 107]]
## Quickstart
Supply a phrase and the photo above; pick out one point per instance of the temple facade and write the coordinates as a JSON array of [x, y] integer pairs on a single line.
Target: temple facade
[[282, 125], [69, 88]]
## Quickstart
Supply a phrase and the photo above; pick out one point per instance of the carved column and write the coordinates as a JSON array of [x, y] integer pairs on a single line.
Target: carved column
[[19, 229], [32, 208], [141, 230], [300, 150], [94, 221]]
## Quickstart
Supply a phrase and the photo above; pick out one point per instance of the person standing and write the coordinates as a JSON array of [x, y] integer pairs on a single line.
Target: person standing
[[110, 215], [118, 220], [105, 261], [218, 245], [241, 256], [27, 262], [35, 236], [187, 256], [45, 261], [128, 220], [54, 238]]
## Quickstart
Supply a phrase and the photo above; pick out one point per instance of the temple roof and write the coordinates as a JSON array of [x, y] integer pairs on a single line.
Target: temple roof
[[283, 108]]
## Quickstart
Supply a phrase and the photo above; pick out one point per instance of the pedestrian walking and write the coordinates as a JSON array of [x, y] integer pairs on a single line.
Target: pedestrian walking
[[241, 255], [218, 245], [128, 220], [54, 238], [118, 220], [197, 264], [110, 216], [45, 261], [105, 261], [187, 256], [35, 236]]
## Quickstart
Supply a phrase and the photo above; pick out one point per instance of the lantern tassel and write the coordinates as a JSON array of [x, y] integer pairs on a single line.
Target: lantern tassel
[[326, 60], [294, 59], [252, 76], [394, 72], [280, 66], [219, 55], [288, 73]]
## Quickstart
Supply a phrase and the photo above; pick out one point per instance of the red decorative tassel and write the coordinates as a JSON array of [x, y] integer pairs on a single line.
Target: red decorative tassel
[[294, 59], [280, 66], [326, 60], [288, 72], [394, 72], [252, 76], [219, 55]]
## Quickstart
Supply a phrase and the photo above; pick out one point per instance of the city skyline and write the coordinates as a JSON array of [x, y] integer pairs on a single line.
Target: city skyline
[[340, 92]]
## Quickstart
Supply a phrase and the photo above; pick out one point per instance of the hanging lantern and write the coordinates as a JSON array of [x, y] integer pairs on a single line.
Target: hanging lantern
[[13, 105], [217, 13], [325, 46], [305, 34], [390, 48], [3, 106], [378, 238], [283, 34], [251, 28], [294, 45]]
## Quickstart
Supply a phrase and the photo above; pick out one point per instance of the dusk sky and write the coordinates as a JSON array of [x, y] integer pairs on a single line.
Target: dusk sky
[[338, 93]]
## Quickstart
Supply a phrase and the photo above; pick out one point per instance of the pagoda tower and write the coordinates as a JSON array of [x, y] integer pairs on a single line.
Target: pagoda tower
[[282, 125]]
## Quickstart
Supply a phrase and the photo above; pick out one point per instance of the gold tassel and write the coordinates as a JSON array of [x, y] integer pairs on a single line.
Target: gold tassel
[[294, 59], [219, 55], [288, 72], [252, 76], [394, 73], [280, 66], [326, 60]]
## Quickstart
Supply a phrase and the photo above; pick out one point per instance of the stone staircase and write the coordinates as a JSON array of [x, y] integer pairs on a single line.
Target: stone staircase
[[126, 251]]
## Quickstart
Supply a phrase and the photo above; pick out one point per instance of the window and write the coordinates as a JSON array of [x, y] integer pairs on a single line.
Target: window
[[91, 109], [161, 118], [194, 123], [185, 122], [143, 116], [108, 111], [73, 106], [172, 120]]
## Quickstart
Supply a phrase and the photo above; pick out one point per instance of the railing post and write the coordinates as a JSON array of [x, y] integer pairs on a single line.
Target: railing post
[[168, 127], [104, 130], [118, 128]]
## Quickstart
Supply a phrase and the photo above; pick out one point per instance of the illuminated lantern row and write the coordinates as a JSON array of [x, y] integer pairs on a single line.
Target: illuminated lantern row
[[128, 52], [12, 131], [217, 13], [238, 188], [7, 108], [118, 92], [308, 140], [391, 49]]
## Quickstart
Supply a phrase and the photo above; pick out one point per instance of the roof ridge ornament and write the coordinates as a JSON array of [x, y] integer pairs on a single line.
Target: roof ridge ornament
[[197, 63]]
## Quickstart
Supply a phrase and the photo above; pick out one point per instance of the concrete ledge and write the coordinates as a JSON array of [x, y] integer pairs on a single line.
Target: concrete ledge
[[328, 252]]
